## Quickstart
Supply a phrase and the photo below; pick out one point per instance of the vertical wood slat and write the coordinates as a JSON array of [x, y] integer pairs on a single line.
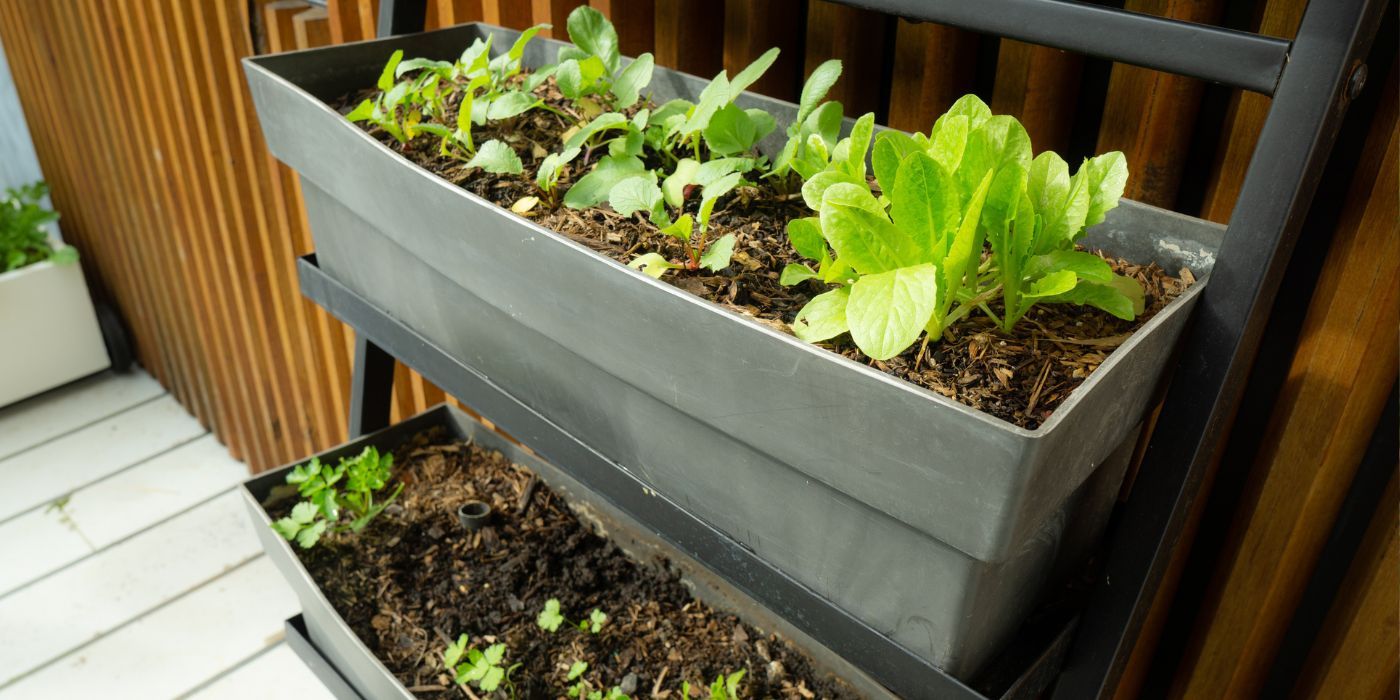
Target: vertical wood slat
[[1362, 628], [445, 13], [1149, 115], [1040, 86], [296, 25], [858, 37], [1341, 375], [751, 28], [554, 13], [635, 21], [687, 36], [517, 14], [931, 71]]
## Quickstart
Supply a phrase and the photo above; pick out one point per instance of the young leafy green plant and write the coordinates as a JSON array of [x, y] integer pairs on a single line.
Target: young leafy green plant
[[915, 253], [845, 163], [622, 138], [477, 667], [590, 72], [725, 687], [908, 272], [550, 618], [1043, 212], [321, 510], [641, 193], [23, 240], [714, 121], [813, 134]]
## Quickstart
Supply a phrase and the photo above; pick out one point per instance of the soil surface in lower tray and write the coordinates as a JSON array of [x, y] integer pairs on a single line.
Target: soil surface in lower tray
[[414, 580], [1019, 377]]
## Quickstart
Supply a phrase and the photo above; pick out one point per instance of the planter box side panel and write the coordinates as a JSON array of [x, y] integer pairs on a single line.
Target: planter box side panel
[[46, 308], [974, 474]]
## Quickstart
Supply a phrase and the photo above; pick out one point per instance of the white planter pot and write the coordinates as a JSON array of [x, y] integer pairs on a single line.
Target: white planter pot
[[48, 330]]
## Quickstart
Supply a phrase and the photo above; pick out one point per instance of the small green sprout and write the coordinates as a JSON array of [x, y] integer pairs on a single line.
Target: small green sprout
[[550, 618], [480, 668], [590, 72], [725, 687], [575, 671], [594, 623]]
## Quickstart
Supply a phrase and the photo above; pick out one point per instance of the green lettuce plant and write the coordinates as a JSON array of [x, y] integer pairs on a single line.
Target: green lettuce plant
[[23, 240], [814, 132], [909, 261]]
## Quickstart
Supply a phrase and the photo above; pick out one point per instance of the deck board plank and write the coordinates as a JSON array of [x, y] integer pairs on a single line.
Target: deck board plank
[[83, 602], [37, 476], [176, 648], [277, 673], [42, 541], [63, 410]]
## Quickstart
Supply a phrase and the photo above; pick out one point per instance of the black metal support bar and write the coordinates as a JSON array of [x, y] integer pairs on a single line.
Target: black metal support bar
[[400, 17], [1308, 106], [897, 668], [1234, 58], [371, 387]]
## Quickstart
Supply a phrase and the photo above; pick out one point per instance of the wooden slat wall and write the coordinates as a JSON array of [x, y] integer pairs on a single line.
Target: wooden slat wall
[[146, 132]]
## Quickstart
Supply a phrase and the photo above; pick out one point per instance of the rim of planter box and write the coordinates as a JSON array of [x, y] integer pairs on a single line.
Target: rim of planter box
[[261, 63]]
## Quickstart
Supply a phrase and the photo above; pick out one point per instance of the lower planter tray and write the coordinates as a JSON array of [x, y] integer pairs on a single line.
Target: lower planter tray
[[330, 636], [299, 639]]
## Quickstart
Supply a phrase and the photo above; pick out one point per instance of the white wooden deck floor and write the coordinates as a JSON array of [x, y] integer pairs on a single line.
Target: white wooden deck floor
[[148, 582]]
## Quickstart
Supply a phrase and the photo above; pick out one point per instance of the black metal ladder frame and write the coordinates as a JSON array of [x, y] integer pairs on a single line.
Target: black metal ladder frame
[[1311, 81]]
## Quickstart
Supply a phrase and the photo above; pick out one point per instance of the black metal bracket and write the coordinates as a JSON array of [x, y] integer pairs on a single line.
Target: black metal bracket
[[371, 387], [1312, 80]]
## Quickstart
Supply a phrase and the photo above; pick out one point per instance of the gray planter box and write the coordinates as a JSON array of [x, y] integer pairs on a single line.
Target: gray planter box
[[348, 657], [934, 523]]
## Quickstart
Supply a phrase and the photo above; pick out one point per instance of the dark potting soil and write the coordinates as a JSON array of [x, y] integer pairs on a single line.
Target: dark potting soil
[[1019, 377], [414, 580]]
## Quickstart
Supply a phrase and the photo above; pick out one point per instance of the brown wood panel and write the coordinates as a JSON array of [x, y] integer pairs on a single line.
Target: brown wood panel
[[1040, 86], [1357, 653], [312, 27], [1244, 121], [519, 14], [933, 67], [445, 13], [857, 37], [1340, 377], [554, 13], [287, 26], [1149, 115], [635, 21], [751, 28], [688, 36]]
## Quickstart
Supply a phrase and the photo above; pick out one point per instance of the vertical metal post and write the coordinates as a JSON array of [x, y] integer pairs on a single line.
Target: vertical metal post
[[400, 17], [371, 387], [1307, 110]]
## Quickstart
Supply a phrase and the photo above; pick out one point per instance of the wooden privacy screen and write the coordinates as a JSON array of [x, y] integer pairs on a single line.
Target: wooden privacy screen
[[147, 134]]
